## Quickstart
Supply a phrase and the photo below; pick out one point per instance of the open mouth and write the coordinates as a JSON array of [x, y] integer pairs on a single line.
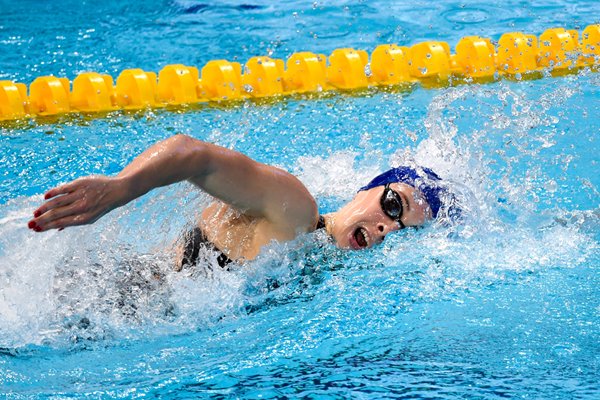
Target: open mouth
[[360, 235]]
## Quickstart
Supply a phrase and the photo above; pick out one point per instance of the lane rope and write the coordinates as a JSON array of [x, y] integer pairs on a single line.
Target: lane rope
[[514, 56]]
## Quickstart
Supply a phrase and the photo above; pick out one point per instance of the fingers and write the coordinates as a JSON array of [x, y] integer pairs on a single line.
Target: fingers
[[61, 223], [76, 208], [62, 189], [61, 204], [55, 203], [61, 218], [75, 203], [58, 207]]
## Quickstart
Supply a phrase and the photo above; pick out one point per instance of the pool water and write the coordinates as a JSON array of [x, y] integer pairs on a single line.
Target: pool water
[[504, 305]]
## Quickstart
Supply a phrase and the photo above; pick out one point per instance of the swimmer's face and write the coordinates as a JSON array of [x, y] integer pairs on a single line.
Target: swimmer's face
[[362, 223]]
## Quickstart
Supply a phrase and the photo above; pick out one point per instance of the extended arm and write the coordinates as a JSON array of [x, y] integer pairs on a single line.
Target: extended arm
[[254, 188]]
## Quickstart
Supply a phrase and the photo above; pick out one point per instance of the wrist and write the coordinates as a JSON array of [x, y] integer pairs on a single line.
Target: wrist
[[124, 190]]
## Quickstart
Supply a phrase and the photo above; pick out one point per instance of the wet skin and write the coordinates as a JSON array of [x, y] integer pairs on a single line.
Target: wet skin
[[362, 223], [359, 224], [269, 203]]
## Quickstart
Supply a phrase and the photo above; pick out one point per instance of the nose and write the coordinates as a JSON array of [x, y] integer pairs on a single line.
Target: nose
[[383, 229], [386, 228]]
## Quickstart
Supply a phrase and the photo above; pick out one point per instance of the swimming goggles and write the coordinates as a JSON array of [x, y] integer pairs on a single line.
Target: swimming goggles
[[391, 204]]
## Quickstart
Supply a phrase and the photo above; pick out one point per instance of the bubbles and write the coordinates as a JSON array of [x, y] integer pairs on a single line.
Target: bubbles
[[102, 283], [335, 175], [499, 147], [551, 186], [368, 72], [489, 308]]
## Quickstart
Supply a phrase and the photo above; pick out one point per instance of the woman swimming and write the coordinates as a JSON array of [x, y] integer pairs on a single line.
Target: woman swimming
[[259, 203]]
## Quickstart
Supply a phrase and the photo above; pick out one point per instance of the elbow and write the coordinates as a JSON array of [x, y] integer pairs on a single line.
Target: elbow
[[182, 142], [191, 154], [186, 147]]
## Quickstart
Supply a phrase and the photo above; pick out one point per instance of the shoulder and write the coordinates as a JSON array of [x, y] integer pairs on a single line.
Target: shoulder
[[299, 208], [295, 207]]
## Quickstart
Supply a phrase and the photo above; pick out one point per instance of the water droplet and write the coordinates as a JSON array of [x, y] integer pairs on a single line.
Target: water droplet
[[368, 71], [551, 186], [248, 88]]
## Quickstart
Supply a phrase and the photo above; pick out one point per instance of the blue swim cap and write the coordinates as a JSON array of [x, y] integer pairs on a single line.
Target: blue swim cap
[[423, 179]]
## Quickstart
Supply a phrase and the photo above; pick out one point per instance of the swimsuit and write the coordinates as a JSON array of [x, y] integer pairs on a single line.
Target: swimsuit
[[320, 223], [195, 238]]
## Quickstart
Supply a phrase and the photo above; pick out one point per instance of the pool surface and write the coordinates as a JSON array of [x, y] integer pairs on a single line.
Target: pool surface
[[505, 305]]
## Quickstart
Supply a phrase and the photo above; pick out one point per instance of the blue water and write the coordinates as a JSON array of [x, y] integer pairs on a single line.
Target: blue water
[[506, 305]]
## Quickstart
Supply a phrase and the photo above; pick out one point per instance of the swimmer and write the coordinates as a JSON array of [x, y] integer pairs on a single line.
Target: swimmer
[[258, 203]]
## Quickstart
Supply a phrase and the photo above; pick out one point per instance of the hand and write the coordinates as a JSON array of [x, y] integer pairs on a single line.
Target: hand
[[79, 202]]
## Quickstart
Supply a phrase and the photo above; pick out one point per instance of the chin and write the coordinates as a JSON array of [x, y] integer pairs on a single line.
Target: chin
[[342, 244]]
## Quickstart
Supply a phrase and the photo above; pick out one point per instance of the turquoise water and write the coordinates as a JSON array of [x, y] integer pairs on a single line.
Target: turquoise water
[[506, 305]]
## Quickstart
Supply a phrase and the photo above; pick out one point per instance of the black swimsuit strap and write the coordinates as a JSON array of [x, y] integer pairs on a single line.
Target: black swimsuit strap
[[321, 223], [195, 238]]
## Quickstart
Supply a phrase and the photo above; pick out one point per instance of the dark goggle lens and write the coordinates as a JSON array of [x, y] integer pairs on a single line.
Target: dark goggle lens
[[391, 204]]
